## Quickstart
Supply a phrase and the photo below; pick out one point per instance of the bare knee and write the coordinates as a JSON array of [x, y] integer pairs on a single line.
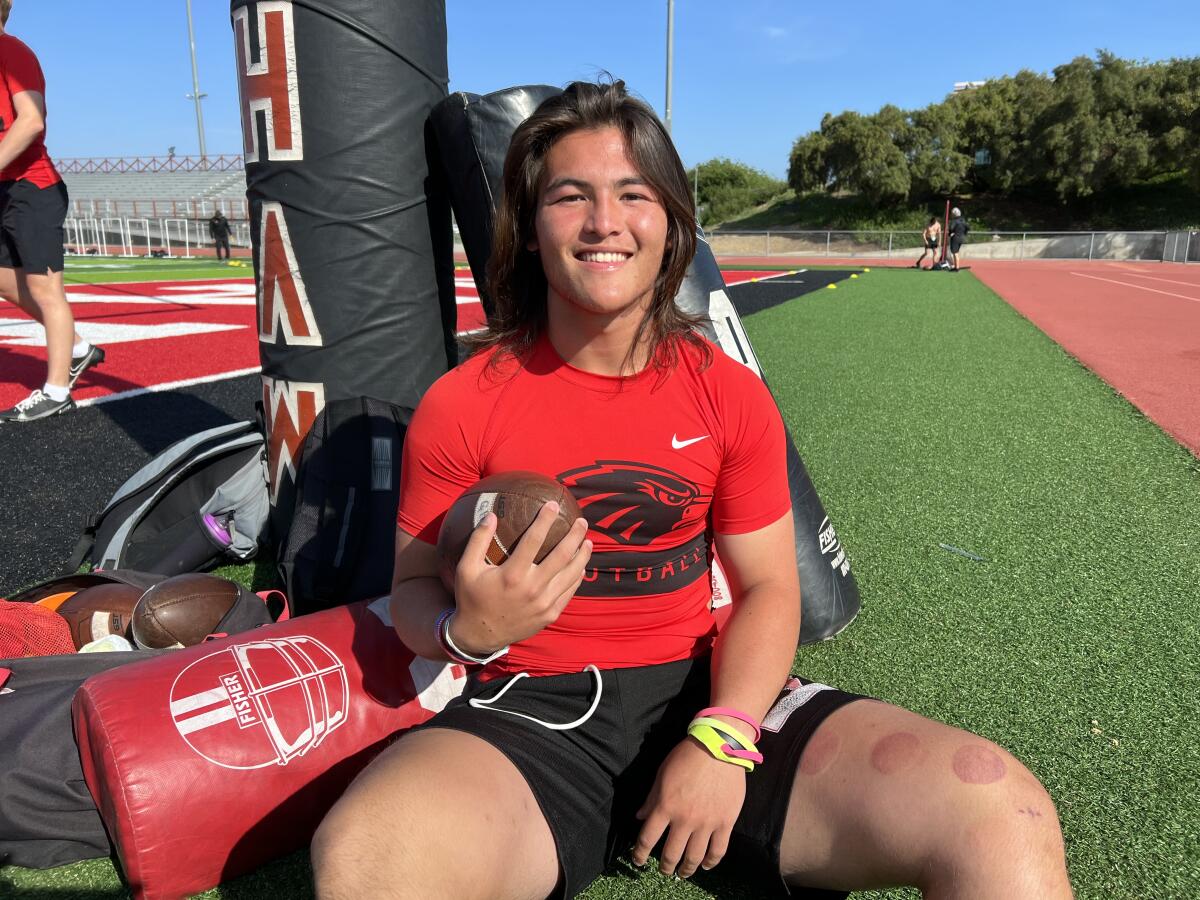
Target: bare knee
[[1004, 832], [399, 831], [342, 858], [327, 854]]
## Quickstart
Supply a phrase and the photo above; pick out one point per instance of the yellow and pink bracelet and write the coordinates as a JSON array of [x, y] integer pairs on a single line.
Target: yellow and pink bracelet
[[724, 741]]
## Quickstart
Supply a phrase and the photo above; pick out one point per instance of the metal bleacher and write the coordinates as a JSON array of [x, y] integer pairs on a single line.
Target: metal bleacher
[[155, 186], [142, 205]]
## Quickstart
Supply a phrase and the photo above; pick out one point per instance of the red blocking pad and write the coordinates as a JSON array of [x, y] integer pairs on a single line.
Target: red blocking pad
[[208, 762]]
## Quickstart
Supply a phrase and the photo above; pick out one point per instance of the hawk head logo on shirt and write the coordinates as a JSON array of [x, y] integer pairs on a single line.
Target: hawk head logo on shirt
[[634, 503]]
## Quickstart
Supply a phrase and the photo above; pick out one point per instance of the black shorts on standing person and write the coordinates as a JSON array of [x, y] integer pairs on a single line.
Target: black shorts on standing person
[[31, 225], [930, 236], [958, 235]]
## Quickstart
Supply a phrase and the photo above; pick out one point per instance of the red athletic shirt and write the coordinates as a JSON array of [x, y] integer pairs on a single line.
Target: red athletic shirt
[[19, 71], [656, 464]]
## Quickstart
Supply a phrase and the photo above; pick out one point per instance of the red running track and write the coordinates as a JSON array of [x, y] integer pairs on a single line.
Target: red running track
[[1136, 325]]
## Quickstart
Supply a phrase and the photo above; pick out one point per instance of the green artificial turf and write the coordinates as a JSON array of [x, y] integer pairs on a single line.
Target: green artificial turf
[[102, 270], [930, 413]]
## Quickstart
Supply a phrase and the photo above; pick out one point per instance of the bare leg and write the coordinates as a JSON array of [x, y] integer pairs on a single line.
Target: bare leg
[[15, 289], [884, 797], [47, 292], [439, 814]]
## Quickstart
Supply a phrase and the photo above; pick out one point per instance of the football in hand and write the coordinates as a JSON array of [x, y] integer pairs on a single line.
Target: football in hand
[[515, 498]]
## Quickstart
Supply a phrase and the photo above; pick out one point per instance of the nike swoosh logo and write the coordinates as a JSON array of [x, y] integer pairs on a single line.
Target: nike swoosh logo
[[679, 445]]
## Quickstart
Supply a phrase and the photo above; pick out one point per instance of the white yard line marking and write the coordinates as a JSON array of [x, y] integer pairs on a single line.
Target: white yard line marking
[[1140, 287], [24, 332], [765, 277], [1190, 284]]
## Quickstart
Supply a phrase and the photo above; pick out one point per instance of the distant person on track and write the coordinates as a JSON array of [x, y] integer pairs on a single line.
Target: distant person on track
[[930, 236], [33, 205], [958, 235], [219, 228]]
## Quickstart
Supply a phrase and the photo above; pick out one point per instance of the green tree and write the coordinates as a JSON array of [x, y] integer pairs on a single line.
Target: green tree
[[808, 169], [1092, 137], [727, 188], [1091, 127], [1172, 117], [856, 153], [1001, 118], [932, 143]]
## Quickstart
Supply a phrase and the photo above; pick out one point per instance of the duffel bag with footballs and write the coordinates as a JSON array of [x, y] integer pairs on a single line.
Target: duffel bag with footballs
[[122, 609], [47, 814]]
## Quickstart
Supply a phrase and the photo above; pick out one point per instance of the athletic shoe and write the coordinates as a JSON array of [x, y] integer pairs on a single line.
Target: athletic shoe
[[81, 364], [36, 406]]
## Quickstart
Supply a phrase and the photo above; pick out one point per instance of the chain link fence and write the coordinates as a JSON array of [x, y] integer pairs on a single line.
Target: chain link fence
[[1161, 246]]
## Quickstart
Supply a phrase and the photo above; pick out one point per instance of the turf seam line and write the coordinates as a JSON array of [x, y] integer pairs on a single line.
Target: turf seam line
[[168, 386]]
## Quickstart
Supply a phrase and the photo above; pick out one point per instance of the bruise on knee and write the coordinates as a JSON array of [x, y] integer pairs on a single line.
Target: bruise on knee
[[896, 752], [976, 763]]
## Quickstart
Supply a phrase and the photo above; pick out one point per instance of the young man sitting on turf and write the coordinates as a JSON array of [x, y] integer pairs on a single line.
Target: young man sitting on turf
[[638, 724]]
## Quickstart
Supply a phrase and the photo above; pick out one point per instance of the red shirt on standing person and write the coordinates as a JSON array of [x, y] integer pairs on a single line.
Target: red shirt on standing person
[[20, 71]]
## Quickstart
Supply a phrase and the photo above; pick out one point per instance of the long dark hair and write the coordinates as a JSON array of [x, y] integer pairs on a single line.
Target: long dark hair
[[515, 279]]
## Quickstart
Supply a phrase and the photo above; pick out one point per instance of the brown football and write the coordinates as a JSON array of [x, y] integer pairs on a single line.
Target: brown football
[[99, 611], [515, 498], [182, 611]]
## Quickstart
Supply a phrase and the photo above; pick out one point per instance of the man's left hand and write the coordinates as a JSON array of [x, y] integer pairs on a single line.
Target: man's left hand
[[696, 797]]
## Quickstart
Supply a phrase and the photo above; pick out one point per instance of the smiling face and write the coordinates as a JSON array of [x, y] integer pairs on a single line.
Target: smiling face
[[600, 233]]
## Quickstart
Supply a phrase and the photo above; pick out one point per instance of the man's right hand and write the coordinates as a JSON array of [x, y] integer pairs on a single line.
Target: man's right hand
[[500, 605]]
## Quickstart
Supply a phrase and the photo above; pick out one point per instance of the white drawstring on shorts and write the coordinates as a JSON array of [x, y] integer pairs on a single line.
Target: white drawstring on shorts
[[566, 726]]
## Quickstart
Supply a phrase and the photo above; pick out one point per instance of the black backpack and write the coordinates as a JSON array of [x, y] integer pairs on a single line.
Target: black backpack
[[338, 545], [202, 501]]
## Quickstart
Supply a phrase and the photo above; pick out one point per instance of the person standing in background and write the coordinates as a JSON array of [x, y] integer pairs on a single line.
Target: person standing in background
[[33, 205], [219, 228], [930, 236], [958, 235]]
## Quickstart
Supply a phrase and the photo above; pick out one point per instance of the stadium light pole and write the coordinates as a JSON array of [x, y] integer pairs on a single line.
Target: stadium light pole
[[195, 94], [670, 58]]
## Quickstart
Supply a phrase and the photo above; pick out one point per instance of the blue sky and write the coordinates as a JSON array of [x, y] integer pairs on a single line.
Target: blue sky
[[750, 75]]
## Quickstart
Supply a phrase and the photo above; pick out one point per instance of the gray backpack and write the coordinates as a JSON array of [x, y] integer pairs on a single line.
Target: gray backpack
[[201, 502]]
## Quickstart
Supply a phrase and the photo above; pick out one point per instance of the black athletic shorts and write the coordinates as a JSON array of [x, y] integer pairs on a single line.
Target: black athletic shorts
[[955, 244], [590, 780], [31, 226], [931, 243]]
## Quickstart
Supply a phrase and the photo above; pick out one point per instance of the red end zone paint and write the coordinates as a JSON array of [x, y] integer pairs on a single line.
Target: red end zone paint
[[161, 334], [153, 333]]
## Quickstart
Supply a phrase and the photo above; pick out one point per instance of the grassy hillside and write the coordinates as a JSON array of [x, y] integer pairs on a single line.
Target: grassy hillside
[[1165, 202]]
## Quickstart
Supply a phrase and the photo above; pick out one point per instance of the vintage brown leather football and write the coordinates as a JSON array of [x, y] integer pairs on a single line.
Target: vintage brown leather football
[[182, 611]]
